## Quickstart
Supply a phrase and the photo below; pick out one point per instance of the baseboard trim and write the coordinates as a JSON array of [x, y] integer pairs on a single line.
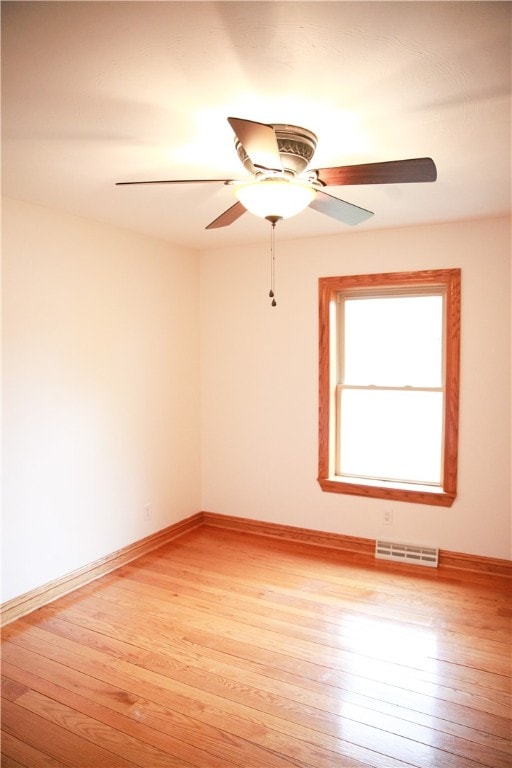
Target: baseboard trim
[[363, 549], [452, 561], [36, 598], [487, 566], [352, 544]]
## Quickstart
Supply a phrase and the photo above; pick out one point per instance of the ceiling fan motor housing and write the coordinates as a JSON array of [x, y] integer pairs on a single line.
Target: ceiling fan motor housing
[[296, 148]]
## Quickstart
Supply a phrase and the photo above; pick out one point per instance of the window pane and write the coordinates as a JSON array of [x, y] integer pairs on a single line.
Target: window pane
[[394, 341], [391, 435]]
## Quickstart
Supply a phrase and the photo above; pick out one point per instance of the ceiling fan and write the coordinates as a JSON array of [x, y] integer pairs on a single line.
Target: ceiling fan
[[277, 156]]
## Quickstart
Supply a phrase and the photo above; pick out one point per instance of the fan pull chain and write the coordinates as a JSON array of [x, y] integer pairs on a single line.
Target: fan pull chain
[[272, 266], [273, 221]]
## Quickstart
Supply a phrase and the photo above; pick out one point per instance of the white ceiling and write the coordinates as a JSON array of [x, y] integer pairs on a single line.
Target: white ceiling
[[99, 92]]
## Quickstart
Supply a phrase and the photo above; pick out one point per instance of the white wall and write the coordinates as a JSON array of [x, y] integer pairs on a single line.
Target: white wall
[[100, 391], [260, 378]]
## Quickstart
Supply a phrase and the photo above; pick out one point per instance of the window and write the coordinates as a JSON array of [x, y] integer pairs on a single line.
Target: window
[[389, 385]]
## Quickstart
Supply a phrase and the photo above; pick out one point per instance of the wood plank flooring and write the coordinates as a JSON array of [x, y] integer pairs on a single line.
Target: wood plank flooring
[[222, 649]]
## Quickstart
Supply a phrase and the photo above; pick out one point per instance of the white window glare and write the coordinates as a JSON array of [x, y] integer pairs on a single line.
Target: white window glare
[[392, 341], [391, 435], [390, 403]]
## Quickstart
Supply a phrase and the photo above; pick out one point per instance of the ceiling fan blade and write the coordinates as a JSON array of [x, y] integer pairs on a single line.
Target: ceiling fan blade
[[393, 172], [177, 181], [259, 141], [339, 209], [228, 217]]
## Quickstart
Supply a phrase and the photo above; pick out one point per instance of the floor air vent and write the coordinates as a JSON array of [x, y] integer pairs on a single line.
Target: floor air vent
[[406, 553]]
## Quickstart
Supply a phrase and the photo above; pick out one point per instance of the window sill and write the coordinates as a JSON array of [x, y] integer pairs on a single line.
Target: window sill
[[434, 496]]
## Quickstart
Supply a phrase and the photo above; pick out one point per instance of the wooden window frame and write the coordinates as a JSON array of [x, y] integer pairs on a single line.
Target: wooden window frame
[[329, 288]]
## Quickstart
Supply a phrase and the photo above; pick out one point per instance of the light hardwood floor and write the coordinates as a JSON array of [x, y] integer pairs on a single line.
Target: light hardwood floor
[[223, 649]]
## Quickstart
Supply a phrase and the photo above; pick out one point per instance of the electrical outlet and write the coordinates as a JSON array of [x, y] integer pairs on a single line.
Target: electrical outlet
[[388, 516], [147, 511]]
